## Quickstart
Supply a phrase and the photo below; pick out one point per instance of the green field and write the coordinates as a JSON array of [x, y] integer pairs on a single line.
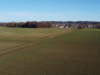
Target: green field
[[49, 51]]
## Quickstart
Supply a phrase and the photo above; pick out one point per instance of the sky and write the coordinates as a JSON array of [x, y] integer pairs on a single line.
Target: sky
[[49, 10]]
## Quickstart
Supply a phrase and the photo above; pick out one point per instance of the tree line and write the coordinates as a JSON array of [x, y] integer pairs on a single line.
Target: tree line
[[30, 24]]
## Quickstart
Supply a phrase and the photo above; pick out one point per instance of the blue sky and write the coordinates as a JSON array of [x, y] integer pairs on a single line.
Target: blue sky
[[49, 10]]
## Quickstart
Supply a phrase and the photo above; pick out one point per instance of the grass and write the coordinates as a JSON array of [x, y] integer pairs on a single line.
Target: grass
[[49, 51], [80, 36], [25, 33]]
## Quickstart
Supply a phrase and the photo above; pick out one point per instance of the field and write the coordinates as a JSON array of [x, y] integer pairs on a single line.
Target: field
[[49, 51]]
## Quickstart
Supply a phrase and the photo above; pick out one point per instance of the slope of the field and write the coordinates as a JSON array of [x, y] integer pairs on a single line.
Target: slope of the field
[[61, 52]]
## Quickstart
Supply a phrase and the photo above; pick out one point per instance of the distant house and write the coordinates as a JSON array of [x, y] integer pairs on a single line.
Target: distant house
[[61, 26], [89, 26], [66, 26]]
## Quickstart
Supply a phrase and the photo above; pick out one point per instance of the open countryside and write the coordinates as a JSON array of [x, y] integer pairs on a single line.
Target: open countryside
[[49, 51]]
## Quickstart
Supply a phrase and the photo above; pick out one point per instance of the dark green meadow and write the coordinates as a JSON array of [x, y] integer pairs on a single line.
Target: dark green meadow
[[49, 51]]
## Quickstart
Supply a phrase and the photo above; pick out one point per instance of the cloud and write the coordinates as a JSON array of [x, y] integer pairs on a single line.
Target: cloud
[[50, 14], [18, 13], [18, 16], [27, 14]]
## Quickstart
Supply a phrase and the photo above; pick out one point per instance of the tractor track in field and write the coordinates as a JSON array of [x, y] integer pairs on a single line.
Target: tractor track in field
[[51, 36], [19, 47]]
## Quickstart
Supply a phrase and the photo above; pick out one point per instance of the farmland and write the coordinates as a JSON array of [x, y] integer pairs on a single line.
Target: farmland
[[49, 51]]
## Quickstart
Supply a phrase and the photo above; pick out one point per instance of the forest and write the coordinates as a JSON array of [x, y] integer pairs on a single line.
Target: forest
[[30, 24]]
